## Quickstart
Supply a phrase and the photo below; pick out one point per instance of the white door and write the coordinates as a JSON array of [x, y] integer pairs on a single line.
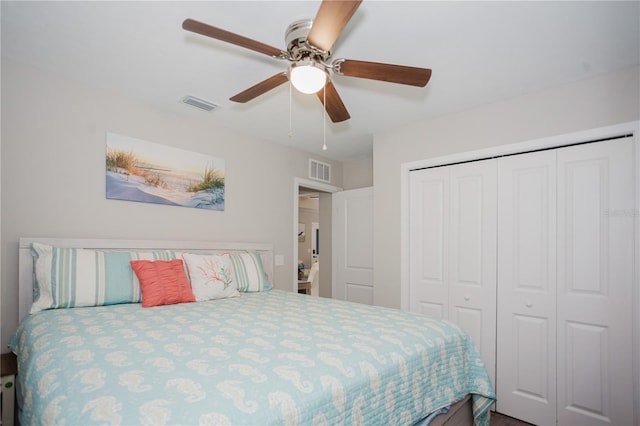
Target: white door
[[453, 249], [595, 279], [428, 242], [353, 245], [472, 255], [526, 341]]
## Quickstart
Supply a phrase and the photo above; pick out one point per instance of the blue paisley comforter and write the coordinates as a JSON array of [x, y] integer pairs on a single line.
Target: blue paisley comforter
[[260, 359]]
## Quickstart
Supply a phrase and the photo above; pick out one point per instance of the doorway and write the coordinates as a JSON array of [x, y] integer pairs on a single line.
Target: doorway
[[308, 241], [324, 193]]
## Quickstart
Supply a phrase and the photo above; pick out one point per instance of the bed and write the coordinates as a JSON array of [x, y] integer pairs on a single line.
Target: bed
[[259, 356]]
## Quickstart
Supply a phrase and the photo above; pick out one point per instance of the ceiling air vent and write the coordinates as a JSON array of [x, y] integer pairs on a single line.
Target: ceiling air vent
[[319, 171], [200, 103]]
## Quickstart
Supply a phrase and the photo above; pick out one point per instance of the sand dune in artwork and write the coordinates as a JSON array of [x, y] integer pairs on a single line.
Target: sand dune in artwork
[[123, 186]]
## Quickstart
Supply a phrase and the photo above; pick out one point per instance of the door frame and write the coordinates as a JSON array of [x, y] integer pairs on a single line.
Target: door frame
[[629, 128], [315, 226], [311, 184]]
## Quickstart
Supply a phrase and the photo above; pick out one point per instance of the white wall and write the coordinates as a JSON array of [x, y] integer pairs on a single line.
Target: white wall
[[604, 100], [358, 172], [53, 176]]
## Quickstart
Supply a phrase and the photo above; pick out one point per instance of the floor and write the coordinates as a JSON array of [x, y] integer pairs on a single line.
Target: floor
[[502, 420]]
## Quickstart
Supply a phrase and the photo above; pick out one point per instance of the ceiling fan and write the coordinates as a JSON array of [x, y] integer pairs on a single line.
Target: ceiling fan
[[309, 46]]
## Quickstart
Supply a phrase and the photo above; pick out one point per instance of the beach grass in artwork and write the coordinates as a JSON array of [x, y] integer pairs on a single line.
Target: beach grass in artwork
[[148, 172]]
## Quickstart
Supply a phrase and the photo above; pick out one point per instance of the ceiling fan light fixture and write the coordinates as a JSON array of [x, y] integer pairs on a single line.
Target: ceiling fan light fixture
[[307, 76]]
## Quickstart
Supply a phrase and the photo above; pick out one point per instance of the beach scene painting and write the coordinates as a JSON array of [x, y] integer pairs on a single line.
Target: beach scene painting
[[148, 172]]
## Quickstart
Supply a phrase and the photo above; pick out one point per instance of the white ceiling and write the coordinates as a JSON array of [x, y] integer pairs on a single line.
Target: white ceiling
[[480, 52]]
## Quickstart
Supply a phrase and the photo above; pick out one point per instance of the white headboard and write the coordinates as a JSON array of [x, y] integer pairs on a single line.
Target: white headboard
[[25, 256]]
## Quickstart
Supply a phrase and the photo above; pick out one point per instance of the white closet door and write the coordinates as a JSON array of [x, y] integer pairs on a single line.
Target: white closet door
[[453, 249], [472, 255], [595, 276], [526, 345], [428, 254]]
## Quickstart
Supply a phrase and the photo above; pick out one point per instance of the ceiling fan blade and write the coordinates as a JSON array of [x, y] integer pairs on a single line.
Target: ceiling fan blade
[[400, 74], [229, 37], [263, 87], [334, 106], [330, 21]]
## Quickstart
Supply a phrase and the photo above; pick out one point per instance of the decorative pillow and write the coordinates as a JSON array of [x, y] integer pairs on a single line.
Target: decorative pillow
[[69, 277], [248, 272], [210, 276], [162, 282]]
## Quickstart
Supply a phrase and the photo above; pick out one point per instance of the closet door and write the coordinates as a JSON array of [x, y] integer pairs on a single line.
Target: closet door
[[472, 255], [428, 242], [526, 336], [595, 278], [453, 249]]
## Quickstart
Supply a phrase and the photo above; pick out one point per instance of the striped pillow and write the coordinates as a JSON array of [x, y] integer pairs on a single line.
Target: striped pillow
[[248, 272], [70, 277]]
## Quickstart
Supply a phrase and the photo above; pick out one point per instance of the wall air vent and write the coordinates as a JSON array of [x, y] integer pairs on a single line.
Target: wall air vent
[[319, 171], [200, 103]]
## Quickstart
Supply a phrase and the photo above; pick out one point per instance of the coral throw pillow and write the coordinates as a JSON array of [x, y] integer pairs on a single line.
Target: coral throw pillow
[[163, 282]]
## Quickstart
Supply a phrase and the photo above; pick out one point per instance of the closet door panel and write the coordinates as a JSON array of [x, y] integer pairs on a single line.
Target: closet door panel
[[471, 321], [527, 287], [472, 254], [429, 213], [595, 278]]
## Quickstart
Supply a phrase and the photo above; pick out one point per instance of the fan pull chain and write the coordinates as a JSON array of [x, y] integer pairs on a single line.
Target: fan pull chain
[[324, 118], [290, 112]]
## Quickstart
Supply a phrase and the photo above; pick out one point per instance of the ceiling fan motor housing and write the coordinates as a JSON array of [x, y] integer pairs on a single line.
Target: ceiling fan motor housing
[[296, 42]]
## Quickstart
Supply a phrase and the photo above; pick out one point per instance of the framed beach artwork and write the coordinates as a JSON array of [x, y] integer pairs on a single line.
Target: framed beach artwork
[[148, 172]]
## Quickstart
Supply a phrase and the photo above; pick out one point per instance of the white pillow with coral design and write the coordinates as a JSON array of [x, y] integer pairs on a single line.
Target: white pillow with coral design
[[210, 276]]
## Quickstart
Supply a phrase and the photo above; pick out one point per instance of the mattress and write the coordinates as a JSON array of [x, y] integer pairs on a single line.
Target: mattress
[[263, 358]]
